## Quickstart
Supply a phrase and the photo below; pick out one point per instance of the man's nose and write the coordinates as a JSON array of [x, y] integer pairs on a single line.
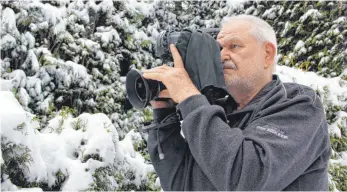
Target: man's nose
[[224, 56]]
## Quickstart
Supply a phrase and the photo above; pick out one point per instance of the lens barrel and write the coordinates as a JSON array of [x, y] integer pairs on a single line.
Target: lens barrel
[[141, 91]]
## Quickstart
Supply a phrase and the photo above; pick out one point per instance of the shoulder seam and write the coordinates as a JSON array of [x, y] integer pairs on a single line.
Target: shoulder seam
[[285, 91], [315, 97]]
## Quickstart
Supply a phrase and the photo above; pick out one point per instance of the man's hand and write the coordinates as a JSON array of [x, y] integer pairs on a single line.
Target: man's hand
[[176, 79], [162, 104]]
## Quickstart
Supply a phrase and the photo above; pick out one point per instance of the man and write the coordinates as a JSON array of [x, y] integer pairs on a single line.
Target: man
[[268, 135]]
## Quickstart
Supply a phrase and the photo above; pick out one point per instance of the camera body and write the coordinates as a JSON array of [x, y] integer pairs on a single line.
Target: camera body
[[166, 38], [141, 91]]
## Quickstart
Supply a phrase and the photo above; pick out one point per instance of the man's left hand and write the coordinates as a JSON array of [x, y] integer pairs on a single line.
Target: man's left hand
[[176, 79]]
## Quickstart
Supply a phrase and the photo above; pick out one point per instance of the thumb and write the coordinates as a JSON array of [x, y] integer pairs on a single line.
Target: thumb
[[178, 63]]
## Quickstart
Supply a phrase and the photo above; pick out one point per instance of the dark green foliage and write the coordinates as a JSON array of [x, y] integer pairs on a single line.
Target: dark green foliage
[[339, 175], [339, 144], [17, 160], [111, 179]]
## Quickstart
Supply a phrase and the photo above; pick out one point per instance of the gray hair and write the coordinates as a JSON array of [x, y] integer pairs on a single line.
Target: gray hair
[[260, 30]]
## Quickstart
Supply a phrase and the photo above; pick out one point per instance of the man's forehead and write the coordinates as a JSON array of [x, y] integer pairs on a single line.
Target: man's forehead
[[226, 36], [233, 32], [234, 27]]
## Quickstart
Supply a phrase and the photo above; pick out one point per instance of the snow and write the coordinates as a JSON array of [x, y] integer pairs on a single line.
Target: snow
[[8, 42], [137, 160], [342, 160], [15, 116], [15, 79], [51, 13], [100, 55], [34, 189], [336, 31], [30, 39], [79, 73], [34, 63], [83, 15], [105, 5], [34, 85], [299, 45], [8, 22], [140, 35], [53, 148], [269, 13], [55, 143], [141, 6], [314, 81], [89, 44], [60, 27], [24, 97], [108, 35], [44, 105], [324, 60], [7, 185], [287, 26], [340, 20], [334, 92], [235, 4], [310, 13]]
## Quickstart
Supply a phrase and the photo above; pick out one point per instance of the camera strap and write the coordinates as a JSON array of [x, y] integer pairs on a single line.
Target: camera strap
[[167, 122], [159, 126]]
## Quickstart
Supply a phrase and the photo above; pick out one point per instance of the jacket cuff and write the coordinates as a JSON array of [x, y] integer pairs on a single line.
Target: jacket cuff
[[161, 113], [191, 103]]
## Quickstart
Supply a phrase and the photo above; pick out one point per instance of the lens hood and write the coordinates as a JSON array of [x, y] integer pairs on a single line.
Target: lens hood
[[141, 91], [137, 89]]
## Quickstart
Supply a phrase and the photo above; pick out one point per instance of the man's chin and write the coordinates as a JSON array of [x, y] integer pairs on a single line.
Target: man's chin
[[229, 74]]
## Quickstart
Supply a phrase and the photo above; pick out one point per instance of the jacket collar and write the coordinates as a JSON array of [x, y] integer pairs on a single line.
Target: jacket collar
[[232, 105]]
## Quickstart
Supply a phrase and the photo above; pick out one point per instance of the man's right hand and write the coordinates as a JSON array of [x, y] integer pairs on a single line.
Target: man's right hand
[[162, 104]]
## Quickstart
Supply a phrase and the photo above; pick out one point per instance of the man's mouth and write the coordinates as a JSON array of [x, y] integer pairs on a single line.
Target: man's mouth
[[229, 65]]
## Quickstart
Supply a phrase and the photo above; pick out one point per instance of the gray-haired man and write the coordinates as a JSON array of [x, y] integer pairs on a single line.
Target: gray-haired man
[[268, 135]]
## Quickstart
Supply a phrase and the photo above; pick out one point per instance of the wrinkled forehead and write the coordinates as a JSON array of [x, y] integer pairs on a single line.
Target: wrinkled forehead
[[238, 30], [232, 27]]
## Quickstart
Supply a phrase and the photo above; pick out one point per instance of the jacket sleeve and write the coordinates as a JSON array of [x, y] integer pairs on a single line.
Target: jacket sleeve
[[269, 154], [170, 169]]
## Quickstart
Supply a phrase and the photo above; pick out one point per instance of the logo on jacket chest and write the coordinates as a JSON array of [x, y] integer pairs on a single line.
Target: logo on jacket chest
[[272, 130]]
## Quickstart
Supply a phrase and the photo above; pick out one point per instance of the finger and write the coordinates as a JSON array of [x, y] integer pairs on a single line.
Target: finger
[[164, 94], [155, 70], [176, 57], [153, 76], [158, 69], [165, 66]]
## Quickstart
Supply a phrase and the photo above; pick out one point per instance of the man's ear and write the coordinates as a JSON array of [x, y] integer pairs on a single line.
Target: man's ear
[[270, 51]]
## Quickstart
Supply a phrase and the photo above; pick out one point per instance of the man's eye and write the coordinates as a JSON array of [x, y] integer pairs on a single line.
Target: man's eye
[[235, 46]]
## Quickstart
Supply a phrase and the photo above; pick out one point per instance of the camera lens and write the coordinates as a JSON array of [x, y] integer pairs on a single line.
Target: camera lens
[[140, 89]]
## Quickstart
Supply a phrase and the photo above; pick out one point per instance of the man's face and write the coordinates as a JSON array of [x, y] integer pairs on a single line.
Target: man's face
[[240, 50]]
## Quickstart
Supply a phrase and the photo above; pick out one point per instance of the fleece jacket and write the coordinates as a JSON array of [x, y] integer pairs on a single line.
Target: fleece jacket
[[278, 141]]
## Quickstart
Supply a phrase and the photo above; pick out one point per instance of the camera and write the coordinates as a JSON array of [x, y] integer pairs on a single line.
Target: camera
[[141, 91]]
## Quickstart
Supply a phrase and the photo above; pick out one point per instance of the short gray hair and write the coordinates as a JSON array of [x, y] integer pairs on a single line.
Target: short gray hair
[[260, 30]]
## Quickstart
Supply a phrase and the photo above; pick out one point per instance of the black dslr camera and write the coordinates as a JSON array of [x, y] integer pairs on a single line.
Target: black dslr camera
[[141, 91]]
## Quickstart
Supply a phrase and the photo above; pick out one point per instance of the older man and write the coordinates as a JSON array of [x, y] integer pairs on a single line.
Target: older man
[[268, 135]]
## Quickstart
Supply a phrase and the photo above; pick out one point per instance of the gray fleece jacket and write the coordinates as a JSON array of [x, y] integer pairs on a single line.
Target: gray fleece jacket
[[278, 141]]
